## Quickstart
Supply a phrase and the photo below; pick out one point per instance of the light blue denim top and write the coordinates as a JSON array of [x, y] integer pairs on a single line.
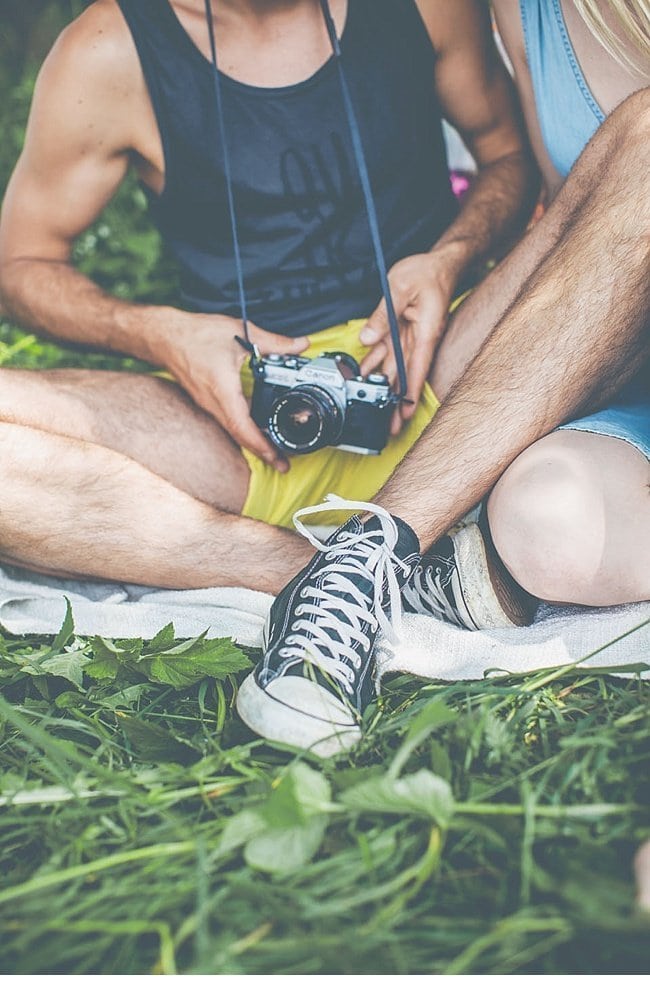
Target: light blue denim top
[[567, 111]]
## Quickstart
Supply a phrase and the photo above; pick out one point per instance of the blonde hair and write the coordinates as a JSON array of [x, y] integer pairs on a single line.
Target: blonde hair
[[633, 19]]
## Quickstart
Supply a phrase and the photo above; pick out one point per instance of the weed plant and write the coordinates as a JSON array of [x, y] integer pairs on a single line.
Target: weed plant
[[481, 827]]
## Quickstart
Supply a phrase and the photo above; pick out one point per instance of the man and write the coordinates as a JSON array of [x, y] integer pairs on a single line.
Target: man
[[172, 484], [559, 327]]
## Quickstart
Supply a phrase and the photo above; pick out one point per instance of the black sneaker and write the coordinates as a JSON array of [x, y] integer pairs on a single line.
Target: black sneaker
[[461, 579], [317, 674]]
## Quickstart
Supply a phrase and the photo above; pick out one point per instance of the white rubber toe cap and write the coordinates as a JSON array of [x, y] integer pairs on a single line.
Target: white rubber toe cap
[[299, 712]]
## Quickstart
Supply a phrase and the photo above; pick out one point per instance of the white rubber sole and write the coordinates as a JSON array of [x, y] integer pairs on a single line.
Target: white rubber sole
[[297, 711], [477, 591]]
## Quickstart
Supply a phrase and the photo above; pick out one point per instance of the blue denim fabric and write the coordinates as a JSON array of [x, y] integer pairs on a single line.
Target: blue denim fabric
[[627, 419], [566, 108]]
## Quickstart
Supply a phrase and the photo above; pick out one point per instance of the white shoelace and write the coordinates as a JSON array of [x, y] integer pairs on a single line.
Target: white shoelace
[[368, 555], [425, 590]]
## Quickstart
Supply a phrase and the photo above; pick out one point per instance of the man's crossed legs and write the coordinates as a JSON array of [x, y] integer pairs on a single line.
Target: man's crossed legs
[[569, 511], [119, 477]]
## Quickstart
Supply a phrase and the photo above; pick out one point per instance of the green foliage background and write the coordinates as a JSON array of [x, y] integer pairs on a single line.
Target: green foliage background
[[121, 251]]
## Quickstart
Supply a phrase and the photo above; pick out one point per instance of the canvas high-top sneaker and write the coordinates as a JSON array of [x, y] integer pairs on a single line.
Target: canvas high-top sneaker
[[317, 674], [461, 580]]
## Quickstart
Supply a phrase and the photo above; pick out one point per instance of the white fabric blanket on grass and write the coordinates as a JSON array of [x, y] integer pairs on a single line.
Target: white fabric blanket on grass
[[31, 604]]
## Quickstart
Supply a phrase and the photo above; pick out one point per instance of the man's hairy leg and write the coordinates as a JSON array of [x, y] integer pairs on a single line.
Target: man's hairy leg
[[490, 300], [75, 508], [570, 519], [146, 418], [577, 330]]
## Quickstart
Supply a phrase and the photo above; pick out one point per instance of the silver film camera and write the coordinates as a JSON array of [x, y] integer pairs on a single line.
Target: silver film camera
[[304, 405]]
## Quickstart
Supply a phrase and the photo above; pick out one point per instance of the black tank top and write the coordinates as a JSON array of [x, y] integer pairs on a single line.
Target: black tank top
[[306, 247]]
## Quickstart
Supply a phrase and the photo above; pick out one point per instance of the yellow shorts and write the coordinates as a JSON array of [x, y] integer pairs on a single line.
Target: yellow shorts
[[274, 497]]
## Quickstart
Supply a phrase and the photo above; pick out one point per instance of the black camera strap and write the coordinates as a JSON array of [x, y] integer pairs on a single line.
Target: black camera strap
[[373, 222], [357, 146], [246, 342]]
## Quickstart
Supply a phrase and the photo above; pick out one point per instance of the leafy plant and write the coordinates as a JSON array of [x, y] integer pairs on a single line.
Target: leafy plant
[[171, 839]]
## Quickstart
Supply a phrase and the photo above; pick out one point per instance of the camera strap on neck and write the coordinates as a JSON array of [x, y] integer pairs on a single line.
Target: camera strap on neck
[[369, 199], [246, 341], [360, 158]]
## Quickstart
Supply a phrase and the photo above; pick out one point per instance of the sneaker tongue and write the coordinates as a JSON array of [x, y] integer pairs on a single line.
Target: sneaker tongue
[[405, 549], [406, 546]]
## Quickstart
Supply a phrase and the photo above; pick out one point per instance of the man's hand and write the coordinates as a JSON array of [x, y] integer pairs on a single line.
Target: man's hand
[[206, 360], [421, 288]]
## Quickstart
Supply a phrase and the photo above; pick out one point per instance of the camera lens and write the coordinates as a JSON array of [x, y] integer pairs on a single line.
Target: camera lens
[[304, 419]]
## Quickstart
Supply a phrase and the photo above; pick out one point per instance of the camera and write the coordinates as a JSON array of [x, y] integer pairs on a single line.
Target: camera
[[305, 404]]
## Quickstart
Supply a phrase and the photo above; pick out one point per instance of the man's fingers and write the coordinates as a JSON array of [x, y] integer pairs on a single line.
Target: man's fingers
[[390, 370], [374, 358], [275, 343], [396, 422], [377, 326], [233, 414], [243, 430], [252, 439], [424, 337], [418, 366]]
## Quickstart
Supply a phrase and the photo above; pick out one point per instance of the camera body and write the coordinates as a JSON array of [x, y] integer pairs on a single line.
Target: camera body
[[305, 404]]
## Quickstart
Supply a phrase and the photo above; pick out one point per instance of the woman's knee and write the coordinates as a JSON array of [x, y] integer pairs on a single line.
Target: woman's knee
[[546, 517]]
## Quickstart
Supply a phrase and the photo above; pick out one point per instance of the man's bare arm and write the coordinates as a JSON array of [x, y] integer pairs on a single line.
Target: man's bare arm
[[466, 332], [75, 156], [478, 98], [90, 119]]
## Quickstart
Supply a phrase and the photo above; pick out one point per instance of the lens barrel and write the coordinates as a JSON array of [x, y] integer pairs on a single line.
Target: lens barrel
[[304, 419]]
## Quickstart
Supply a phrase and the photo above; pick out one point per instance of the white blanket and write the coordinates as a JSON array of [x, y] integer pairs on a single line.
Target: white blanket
[[31, 604]]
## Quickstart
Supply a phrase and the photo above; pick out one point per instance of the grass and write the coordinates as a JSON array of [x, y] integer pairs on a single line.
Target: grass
[[481, 827]]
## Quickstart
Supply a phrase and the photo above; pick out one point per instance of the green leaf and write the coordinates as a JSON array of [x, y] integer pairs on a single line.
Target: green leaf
[[285, 850], [286, 831], [109, 658], [104, 669], [187, 663], [420, 794], [45, 661], [167, 661], [301, 793], [70, 700], [153, 743], [432, 716], [128, 696], [53, 660], [239, 829], [67, 630], [440, 760], [429, 718], [162, 640], [68, 665]]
